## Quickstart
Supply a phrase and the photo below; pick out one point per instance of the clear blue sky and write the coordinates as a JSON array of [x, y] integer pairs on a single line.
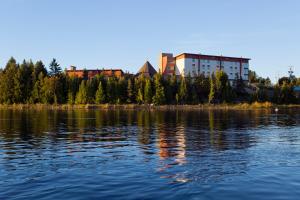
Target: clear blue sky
[[124, 34]]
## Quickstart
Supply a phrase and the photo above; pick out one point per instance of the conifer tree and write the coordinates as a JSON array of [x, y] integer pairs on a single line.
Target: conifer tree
[[39, 67], [36, 96], [211, 96], [182, 91], [140, 98], [18, 89], [148, 92], [159, 97], [82, 97], [100, 94], [110, 90], [54, 67], [48, 90], [130, 92], [11, 79]]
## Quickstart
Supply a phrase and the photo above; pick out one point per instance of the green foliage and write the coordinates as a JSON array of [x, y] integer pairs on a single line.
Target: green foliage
[[223, 91], [36, 95], [82, 96], [148, 91], [54, 67], [182, 91], [100, 94], [73, 85], [202, 87], [30, 83], [111, 90], [130, 92], [140, 97], [159, 97], [211, 96]]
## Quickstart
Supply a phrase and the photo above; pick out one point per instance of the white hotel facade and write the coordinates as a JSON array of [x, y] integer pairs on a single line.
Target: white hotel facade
[[195, 64]]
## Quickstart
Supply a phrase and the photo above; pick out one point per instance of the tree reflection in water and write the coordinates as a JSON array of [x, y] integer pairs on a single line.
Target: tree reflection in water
[[181, 145]]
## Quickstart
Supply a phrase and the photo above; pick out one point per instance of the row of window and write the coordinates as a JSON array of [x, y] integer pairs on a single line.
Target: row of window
[[202, 61], [222, 67], [208, 61]]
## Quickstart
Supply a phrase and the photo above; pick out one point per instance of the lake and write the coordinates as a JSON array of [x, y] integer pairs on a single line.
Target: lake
[[92, 154]]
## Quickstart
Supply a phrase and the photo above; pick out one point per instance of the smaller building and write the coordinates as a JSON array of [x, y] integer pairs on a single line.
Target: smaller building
[[90, 73], [147, 70]]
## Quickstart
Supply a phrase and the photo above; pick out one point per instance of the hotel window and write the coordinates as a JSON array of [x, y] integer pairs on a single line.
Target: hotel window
[[193, 59], [235, 67], [231, 67], [203, 66], [193, 65]]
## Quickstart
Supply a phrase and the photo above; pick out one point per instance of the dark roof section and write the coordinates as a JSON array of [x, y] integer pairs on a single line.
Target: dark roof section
[[203, 56], [147, 70]]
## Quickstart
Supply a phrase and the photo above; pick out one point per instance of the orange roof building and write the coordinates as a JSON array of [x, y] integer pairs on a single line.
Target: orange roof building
[[90, 73]]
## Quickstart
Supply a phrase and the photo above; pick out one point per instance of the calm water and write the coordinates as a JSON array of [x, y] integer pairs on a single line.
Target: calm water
[[149, 155]]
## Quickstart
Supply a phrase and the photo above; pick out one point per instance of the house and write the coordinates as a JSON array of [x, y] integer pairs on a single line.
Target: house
[[90, 73], [195, 64], [147, 70]]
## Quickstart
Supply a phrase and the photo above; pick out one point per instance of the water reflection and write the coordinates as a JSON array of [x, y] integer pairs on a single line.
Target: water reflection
[[195, 146]]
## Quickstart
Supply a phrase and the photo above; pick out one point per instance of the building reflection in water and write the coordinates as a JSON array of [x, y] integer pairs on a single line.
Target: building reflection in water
[[172, 140]]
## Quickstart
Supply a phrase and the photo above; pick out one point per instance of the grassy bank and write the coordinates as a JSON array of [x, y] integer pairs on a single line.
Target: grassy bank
[[240, 106]]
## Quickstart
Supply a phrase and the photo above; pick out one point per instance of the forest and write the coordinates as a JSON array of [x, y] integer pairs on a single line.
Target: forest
[[32, 83]]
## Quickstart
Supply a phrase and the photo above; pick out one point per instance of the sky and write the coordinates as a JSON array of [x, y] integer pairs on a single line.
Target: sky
[[125, 33]]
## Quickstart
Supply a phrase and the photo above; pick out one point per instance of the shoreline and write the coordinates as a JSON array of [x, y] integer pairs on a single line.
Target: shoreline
[[239, 106]]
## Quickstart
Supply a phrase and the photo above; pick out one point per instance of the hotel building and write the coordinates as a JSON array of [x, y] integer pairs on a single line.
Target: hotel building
[[195, 64]]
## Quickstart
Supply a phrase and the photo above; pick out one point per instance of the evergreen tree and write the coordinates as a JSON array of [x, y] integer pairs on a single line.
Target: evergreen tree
[[100, 94], [26, 81], [211, 96], [71, 99], [139, 85], [39, 67], [130, 92], [140, 98], [82, 97], [36, 96], [111, 90], [19, 88], [121, 90], [170, 85], [202, 87], [148, 92], [54, 67], [222, 86], [182, 91], [73, 85], [48, 90], [91, 86], [10, 82], [159, 97]]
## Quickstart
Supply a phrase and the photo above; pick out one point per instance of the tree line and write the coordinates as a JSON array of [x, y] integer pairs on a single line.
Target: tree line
[[32, 83]]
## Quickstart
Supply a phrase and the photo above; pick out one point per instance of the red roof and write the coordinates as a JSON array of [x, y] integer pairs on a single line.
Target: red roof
[[211, 57]]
